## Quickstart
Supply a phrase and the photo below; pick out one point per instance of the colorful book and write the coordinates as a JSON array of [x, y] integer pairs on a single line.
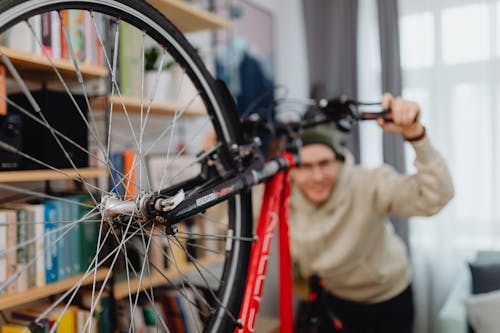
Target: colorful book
[[89, 232], [3, 247], [46, 32], [77, 33], [3, 91], [115, 184], [129, 167], [22, 251], [130, 60], [11, 257], [74, 239], [38, 212], [14, 328], [50, 244]]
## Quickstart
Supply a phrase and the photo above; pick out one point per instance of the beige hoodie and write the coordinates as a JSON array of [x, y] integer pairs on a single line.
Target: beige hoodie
[[349, 240]]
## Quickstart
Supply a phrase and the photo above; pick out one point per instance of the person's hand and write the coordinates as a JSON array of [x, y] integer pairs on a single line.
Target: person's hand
[[405, 116]]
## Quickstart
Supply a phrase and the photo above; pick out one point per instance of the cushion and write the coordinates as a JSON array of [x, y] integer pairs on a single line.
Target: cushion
[[482, 312], [485, 276]]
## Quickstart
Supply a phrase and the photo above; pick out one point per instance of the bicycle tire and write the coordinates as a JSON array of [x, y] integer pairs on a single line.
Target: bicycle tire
[[223, 313]]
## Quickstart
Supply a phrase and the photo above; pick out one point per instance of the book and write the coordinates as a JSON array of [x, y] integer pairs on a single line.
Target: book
[[3, 247], [22, 251], [46, 32], [38, 211], [55, 34], [11, 257], [36, 34], [50, 244], [89, 233], [3, 91], [64, 25], [192, 320], [130, 60], [76, 31], [20, 38], [63, 267], [129, 169], [74, 249], [171, 312], [138, 320], [14, 328], [116, 174], [31, 315]]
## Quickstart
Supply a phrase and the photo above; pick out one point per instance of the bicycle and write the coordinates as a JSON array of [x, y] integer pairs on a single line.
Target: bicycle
[[221, 294]]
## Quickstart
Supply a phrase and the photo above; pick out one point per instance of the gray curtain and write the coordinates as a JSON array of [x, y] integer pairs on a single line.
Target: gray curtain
[[331, 35], [394, 153]]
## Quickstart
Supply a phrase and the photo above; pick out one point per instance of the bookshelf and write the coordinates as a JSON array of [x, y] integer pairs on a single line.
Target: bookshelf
[[187, 17], [37, 293], [41, 175], [133, 105], [35, 68], [39, 68], [156, 279]]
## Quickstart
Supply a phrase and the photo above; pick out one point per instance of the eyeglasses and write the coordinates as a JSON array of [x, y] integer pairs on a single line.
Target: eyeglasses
[[323, 165]]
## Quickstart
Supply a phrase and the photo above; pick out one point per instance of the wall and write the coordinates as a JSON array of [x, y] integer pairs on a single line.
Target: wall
[[290, 46]]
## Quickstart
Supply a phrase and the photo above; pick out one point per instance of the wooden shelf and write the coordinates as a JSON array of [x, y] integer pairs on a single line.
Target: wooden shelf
[[133, 105], [121, 289], [34, 67], [37, 293], [188, 18], [39, 175]]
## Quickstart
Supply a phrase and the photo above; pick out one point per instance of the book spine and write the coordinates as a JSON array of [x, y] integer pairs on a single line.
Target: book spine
[[11, 257], [39, 213], [50, 245], [3, 91], [46, 32], [89, 232], [64, 41], [20, 37], [22, 251], [130, 60], [129, 161], [89, 37], [115, 183], [74, 237], [3, 247], [30, 229], [55, 34], [36, 25]]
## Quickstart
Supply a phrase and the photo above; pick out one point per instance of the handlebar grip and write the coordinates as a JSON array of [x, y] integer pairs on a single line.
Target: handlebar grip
[[376, 115], [385, 114]]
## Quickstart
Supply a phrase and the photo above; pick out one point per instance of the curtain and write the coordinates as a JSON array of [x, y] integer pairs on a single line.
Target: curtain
[[331, 35], [450, 57], [394, 153]]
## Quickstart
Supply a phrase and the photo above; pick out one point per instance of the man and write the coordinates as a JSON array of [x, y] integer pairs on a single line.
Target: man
[[340, 229]]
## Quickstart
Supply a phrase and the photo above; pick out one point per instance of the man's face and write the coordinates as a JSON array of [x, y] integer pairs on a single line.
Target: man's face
[[317, 174]]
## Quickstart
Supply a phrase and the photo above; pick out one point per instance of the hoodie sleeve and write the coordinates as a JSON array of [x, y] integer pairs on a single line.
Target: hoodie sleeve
[[420, 194]]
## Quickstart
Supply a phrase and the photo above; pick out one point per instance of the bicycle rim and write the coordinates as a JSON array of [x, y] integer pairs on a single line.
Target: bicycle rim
[[136, 270]]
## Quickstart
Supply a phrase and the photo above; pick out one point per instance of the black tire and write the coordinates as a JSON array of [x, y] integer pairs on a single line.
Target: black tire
[[220, 110]]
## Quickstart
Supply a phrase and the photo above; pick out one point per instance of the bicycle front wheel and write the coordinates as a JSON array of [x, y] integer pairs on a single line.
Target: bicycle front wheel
[[87, 125]]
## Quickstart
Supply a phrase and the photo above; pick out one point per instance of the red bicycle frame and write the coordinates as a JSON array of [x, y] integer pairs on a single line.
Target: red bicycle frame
[[274, 211]]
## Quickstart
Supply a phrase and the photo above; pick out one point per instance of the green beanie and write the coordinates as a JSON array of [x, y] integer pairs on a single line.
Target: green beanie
[[323, 135]]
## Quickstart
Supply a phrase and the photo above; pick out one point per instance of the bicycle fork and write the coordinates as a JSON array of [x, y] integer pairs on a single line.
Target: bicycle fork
[[273, 212]]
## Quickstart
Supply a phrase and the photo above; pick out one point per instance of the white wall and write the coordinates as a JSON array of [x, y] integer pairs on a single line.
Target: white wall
[[290, 45]]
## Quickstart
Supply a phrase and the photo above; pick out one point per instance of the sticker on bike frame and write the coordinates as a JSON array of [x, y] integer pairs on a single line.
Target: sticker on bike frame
[[214, 196]]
